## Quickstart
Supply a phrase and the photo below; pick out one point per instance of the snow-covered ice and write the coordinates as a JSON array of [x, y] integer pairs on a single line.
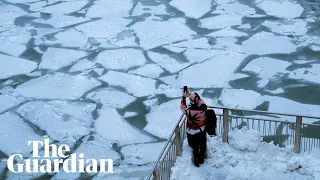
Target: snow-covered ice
[[276, 8], [60, 21], [192, 8], [8, 101], [12, 66], [126, 172], [311, 74], [197, 43], [221, 21], [63, 121], [293, 27], [227, 32], [225, 7], [240, 98], [113, 127], [111, 97], [267, 43], [162, 118], [245, 139], [166, 62], [245, 26], [148, 70], [150, 102], [116, 9], [57, 86], [13, 49], [15, 134], [63, 175], [82, 65], [56, 58], [69, 38], [140, 9], [64, 7], [156, 33], [122, 59], [137, 85], [99, 71], [140, 154], [130, 114]]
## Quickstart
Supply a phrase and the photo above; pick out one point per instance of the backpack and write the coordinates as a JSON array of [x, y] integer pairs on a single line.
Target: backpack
[[211, 122]]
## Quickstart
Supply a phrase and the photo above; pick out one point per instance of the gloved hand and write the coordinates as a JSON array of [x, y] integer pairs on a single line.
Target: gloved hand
[[186, 94]]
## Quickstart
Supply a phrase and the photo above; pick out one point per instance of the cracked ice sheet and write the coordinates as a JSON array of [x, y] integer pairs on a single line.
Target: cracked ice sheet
[[13, 49], [57, 86], [192, 8], [156, 33], [293, 27], [240, 98], [12, 66], [110, 9], [82, 65], [166, 62], [137, 85], [111, 98], [8, 101], [56, 58], [307, 74], [276, 8], [155, 10], [69, 38], [111, 126], [148, 70], [227, 32], [15, 134], [64, 121], [224, 67], [60, 21], [140, 154], [122, 59], [64, 7], [162, 118], [267, 43], [9, 13], [225, 7], [221, 21], [201, 43], [266, 67]]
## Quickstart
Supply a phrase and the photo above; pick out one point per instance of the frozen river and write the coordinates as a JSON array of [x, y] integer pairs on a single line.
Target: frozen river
[[104, 76]]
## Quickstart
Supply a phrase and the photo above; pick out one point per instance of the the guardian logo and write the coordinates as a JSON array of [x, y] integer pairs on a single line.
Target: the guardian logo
[[70, 163]]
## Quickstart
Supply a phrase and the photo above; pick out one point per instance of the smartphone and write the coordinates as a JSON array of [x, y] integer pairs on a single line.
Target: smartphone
[[185, 89]]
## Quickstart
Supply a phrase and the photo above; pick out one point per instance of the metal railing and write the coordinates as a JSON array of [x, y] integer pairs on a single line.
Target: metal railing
[[290, 130]]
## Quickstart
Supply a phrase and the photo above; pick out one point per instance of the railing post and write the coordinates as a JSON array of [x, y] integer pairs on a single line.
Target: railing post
[[297, 142], [177, 141], [225, 125]]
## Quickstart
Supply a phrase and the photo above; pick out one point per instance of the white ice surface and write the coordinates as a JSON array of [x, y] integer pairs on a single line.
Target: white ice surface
[[227, 32], [13, 49], [225, 7], [69, 38], [245, 26], [148, 70], [245, 139], [15, 134], [111, 97], [122, 59], [130, 114], [228, 161], [311, 74], [11, 66], [137, 85], [82, 65], [200, 43], [63, 121], [150, 102], [267, 43], [162, 118], [112, 127], [221, 21], [266, 67], [56, 58], [8, 101], [60, 21], [200, 55], [99, 71], [64, 7], [115, 9], [293, 27], [8, 13], [276, 8], [192, 8], [155, 10], [141, 154], [240, 98], [63, 175], [156, 33], [166, 62]]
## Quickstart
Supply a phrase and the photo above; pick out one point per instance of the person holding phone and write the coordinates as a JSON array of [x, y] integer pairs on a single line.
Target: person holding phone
[[196, 124]]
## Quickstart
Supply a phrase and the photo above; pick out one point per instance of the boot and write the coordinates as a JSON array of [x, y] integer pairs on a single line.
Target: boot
[[196, 159]]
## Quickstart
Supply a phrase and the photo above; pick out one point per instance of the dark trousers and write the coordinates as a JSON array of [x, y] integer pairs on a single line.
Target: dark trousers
[[198, 143]]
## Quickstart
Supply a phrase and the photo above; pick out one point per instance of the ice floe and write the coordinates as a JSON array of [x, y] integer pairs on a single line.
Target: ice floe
[[267, 43], [111, 97], [69, 38], [266, 67], [122, 59], [221, 21], [200, 55], [197, 43], [82, 65], [63, 121], [56, 58], [12, 66], [311, 74], [130, 114], [240, 98], [137, 85], [155, 10], [15, 134], [64, 175], [13, 49], [8, 13], [140, 154], [111, 126], [156, 33], [293, 27], [57, 86], [276, 8], [245, 26], [99, 71], [192, 8], [60, 21], [148, 70], [64, 7], [8, 101], [116, 9], [163, 118], [166, 62], [150, 102], [225, 7], [227, 32]]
